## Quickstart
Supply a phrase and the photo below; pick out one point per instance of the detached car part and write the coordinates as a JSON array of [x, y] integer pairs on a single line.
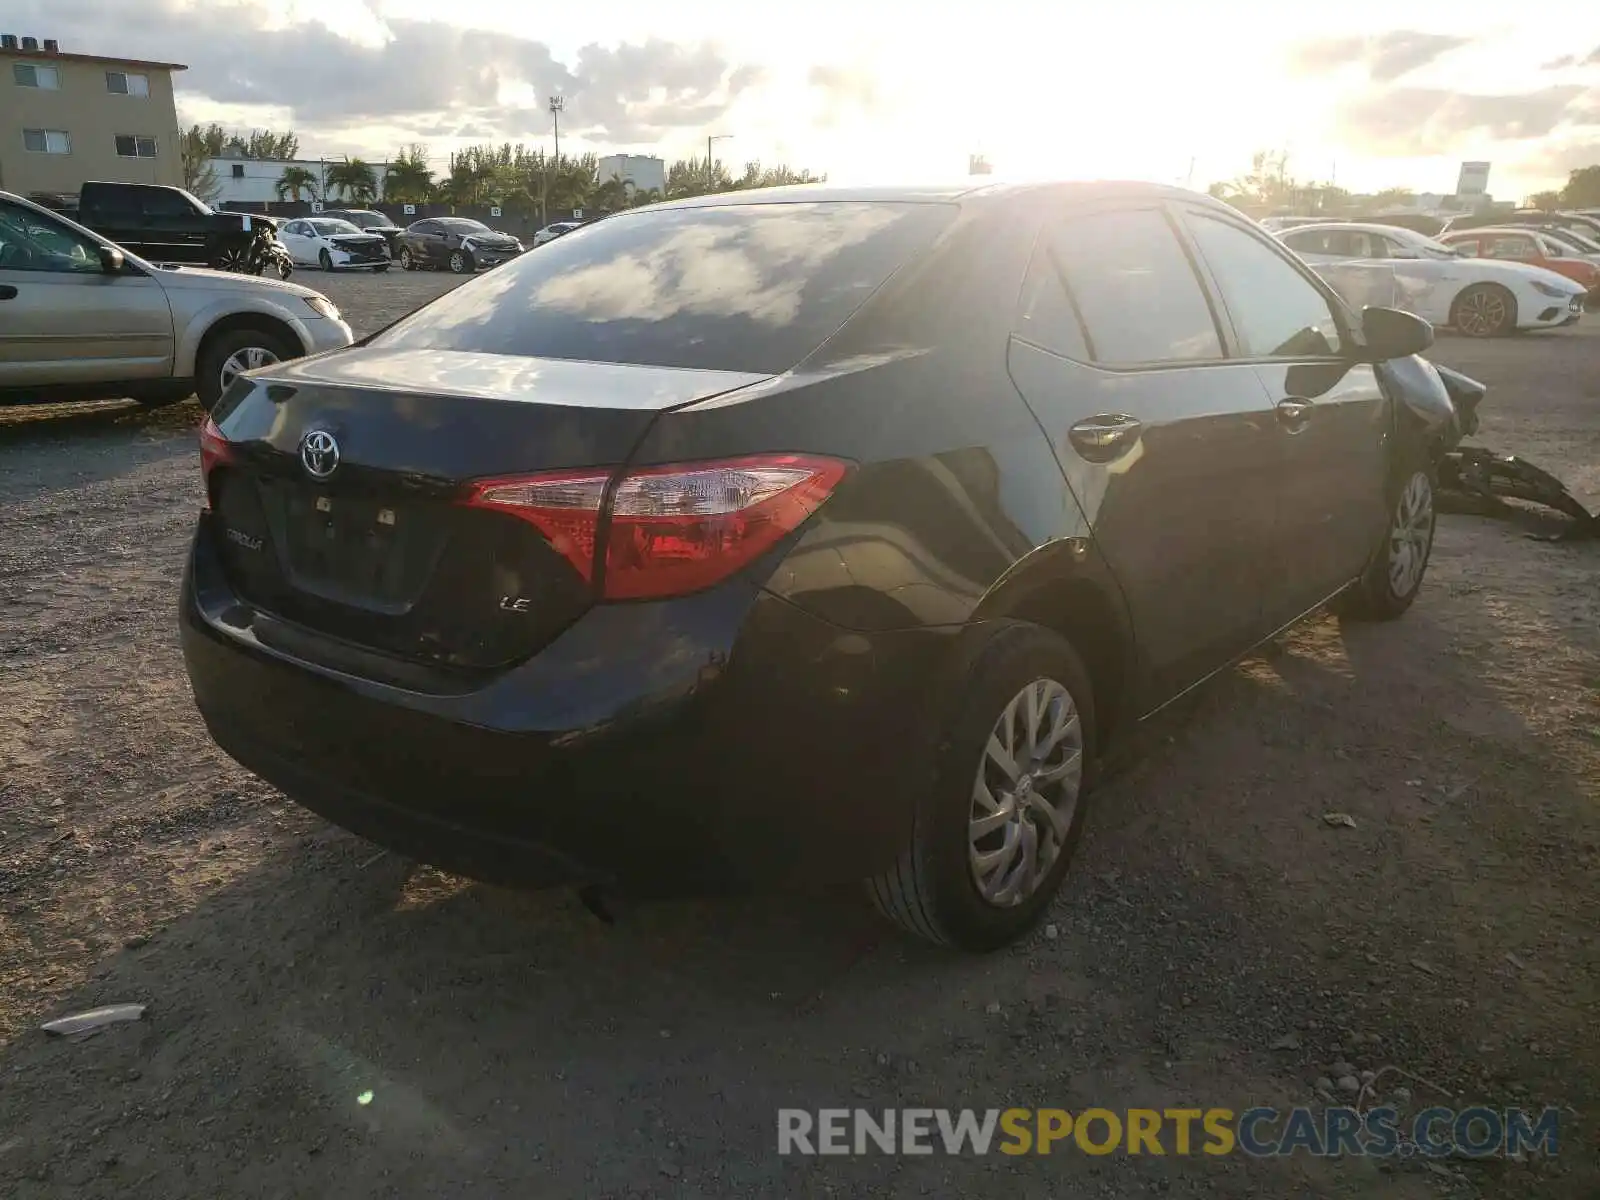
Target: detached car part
[[1485, 475]]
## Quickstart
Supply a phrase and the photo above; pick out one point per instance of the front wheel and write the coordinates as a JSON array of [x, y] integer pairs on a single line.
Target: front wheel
[[1394, 576], [1484, 310], [460, 262], [232, 258], [325, 260], [993, 835], [407, 263], [225, 356]]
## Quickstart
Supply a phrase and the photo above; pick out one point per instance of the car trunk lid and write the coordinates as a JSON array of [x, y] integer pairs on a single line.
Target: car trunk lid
[[339, 507]]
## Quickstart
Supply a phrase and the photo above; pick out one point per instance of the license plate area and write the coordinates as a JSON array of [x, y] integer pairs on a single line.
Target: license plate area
[[364, 551]]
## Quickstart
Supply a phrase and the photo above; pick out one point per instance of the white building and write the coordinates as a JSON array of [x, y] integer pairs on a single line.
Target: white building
[[643, 171], [254, 180]]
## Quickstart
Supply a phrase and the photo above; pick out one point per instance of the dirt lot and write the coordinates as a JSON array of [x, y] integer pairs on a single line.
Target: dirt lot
[[328, 1021]]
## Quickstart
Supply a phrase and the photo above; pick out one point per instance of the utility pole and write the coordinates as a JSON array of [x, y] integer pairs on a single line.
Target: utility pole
[[557, 105], [710, 168]]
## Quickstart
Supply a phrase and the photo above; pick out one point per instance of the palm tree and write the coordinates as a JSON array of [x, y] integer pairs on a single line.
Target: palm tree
[[409, 178], [295, 180], [353, 179]]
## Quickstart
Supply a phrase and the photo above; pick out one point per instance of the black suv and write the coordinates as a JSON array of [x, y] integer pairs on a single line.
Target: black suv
[[167, 224], [799, 535]]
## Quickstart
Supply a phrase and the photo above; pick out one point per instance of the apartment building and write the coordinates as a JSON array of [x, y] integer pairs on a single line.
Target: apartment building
[[66, 118]]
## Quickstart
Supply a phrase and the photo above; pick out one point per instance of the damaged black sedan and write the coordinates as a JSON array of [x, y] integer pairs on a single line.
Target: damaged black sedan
[[800, 535]]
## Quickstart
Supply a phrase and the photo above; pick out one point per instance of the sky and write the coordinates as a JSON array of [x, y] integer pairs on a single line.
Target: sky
[[1365, 93]]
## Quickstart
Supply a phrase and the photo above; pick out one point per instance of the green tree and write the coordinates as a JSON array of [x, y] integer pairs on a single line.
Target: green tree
[[353, 180], [1583, 188], [294, 181], [197, 146], [409, 179], [263, 145]]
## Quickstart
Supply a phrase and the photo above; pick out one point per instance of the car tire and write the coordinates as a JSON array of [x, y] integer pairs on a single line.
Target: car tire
[[937, 887], [1394, 576], [225, 354], [407, 263], [324, 260], [1484, 310], [461, 263]]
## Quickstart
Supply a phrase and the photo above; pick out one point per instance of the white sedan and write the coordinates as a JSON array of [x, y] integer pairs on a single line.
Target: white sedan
[[1478, 297], [329, 243]]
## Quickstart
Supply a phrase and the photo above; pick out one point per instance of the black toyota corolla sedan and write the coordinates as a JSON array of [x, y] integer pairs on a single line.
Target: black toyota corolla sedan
[[799, 535]]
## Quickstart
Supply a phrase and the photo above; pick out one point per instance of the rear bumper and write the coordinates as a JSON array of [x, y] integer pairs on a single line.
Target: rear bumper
[[724, 739]]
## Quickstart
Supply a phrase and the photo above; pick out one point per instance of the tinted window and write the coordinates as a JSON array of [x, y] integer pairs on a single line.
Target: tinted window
[[461, 224], [1501, 246], [1276, 310], [1044, 313], [1140, 300], [423, 227], [751, 287], [167, 204]]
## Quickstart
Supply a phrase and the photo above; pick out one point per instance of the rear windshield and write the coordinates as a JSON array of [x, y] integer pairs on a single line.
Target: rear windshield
[[750, 287]]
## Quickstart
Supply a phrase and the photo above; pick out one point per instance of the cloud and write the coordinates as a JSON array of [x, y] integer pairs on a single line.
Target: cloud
[[417, 74], [1573, 60], [1560, 160], [1386, 57], [1424, 121]]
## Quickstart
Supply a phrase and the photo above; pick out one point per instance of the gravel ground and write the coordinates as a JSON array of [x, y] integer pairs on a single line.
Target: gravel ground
[[325, 1020]]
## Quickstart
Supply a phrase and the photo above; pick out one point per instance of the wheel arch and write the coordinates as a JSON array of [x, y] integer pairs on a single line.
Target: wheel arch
[[203, 332], [1065, 587], [1510, 294]]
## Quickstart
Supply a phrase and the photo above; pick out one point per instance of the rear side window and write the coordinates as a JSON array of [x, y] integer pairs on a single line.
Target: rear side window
[[1140, 299], [1277, 312], [746, 287], [1045, 316]]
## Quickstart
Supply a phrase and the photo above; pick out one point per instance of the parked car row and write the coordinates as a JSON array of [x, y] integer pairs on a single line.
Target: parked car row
[[1446, 282]]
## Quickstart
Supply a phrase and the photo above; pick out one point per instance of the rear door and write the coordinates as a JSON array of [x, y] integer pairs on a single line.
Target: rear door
[[1332, 420], [1170, 449], [296, 239], [174, 231], [63, 320]]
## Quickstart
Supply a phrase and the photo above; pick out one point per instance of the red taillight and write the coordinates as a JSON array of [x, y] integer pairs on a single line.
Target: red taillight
[[672, 529], [214, 451]]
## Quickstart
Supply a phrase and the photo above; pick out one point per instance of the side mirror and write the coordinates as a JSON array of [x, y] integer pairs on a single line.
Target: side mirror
[[111, 260], [1391, 333]]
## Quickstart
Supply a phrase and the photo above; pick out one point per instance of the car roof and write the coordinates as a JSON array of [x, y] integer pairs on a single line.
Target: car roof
[[1521, 229], [935, 193], [1355, 227]]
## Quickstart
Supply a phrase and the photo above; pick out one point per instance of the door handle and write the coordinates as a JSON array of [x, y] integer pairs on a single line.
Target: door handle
[[7, 292], [1105, 436], [1294, 413]]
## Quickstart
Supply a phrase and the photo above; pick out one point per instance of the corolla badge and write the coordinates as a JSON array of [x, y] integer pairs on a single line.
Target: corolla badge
[[319, 453]]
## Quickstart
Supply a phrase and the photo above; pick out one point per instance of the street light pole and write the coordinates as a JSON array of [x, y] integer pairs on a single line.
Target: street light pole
[[557, 105], [710, 174]]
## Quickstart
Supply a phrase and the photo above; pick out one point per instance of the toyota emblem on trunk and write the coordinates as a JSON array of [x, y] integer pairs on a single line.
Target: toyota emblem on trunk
[[319, 454]]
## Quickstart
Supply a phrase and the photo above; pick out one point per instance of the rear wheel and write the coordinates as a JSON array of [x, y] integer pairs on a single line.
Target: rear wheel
[[223, 357], [1394, 576], [1484, 310], [993, 836]]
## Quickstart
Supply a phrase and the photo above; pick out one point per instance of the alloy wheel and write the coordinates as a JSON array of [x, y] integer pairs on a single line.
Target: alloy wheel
[[458, 262], [1481, 313], [232, 260], [1411, 535], [1025, 794], [246, 358]]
